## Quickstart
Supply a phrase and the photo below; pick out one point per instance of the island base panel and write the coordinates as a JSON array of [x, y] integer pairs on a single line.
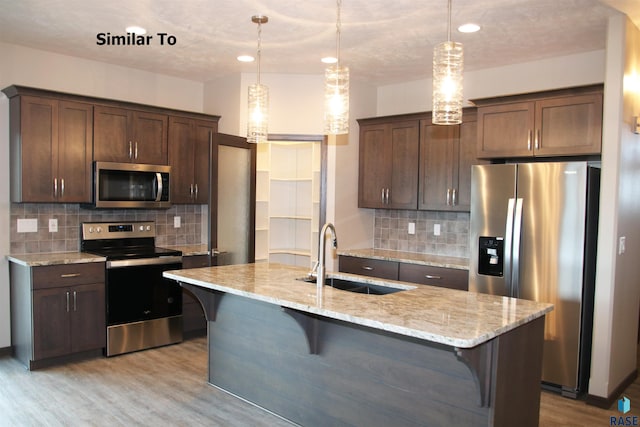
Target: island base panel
[[359, 376]]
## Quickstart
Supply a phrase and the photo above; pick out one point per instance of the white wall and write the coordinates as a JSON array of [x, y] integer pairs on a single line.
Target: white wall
[[574, 70], [617, 291], [31, 67]]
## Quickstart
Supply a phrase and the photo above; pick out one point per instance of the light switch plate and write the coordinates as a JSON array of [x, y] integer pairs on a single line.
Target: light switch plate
[[436, 229], [622, 245], [53, 225], [176, 222], [411, 229]]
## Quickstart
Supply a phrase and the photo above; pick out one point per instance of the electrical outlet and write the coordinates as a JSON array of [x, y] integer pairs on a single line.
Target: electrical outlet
[[411, 229], [53, 225], [622, 245], [176, 222], [436, 229]]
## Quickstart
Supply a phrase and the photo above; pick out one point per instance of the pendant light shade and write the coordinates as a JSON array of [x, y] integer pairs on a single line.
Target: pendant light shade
[[448, 61], [258, 101], [336, 91]]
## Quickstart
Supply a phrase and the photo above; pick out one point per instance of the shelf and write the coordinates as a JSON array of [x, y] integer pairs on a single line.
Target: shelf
[[296, 217], [302, 252]]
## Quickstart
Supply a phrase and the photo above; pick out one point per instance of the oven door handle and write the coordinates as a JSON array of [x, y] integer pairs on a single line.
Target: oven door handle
[[159, 187], [144, 261]]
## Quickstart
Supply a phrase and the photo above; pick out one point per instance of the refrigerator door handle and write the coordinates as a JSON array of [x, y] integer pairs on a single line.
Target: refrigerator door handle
[[515, 258], [508, 241]]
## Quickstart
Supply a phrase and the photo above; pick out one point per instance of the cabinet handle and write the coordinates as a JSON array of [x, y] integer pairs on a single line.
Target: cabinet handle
[[538, 139], [61, 187], [68, 275], [455, 197], [191, 191], [75, 301], [387, 196], [428, 276], [130, 150], [382, 196], [67, 301], [448, 197], [366, 267], [196, 196], [55, 187], [529, 140], [136, 151]]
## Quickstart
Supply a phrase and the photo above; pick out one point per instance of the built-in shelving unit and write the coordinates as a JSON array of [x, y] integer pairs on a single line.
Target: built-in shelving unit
[[288, 202]]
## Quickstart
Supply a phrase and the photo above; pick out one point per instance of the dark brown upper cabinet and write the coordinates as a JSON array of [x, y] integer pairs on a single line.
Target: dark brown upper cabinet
[[129, 136], [547, 124], [51, 149], [388, 170]]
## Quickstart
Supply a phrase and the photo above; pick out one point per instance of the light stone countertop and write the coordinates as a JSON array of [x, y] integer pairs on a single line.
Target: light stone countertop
[[56, 258], [440, 315], [409, 257]]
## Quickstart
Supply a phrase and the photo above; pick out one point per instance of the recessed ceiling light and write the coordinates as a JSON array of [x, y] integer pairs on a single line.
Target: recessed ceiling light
[[469, 28], [136, 30], [246, 58], [329, 60]]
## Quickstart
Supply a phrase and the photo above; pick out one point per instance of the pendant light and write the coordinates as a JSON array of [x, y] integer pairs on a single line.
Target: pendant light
[[336, 91], [447, 80], [258, 102]]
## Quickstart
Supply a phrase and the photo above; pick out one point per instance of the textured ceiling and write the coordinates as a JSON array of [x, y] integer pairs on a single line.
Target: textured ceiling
[[382, 41]]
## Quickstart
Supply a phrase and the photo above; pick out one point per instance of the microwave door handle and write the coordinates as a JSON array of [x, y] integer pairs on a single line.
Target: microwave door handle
[[158, 186]]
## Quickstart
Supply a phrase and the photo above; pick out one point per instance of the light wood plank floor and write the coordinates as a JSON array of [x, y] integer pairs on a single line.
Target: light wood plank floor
[[167, 387]]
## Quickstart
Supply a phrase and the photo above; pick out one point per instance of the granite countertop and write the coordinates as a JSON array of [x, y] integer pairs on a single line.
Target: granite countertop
[[409, 257], [446, 316], [56, 258], [190, 250]]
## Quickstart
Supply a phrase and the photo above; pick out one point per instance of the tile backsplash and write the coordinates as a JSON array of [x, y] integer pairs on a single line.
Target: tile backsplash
[[70, 216], [391, 232]]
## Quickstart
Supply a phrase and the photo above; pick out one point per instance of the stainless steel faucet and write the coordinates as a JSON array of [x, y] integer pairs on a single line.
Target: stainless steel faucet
[[321, 249]]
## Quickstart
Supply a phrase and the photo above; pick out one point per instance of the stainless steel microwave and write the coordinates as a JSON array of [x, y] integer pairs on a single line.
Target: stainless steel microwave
[[131, 185]]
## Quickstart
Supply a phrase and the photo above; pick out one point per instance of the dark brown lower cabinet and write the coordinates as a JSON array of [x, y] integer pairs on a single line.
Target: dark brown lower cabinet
[[57, 312], [414, 273]]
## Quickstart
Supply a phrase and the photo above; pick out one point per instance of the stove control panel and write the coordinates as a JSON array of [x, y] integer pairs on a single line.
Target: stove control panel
[[117, 230]]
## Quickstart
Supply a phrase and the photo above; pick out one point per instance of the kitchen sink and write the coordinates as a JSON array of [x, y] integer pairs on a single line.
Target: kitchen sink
[[354, 286]]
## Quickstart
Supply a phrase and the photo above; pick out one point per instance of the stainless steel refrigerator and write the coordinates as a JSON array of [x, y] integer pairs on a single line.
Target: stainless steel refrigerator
[[533, 234]]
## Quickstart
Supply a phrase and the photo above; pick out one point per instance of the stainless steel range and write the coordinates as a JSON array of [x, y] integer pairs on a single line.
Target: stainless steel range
[[144, 310]]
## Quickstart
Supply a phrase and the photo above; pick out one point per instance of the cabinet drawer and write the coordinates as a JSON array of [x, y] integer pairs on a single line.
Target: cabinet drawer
[[369, 267], [434, 276], [54, 276]]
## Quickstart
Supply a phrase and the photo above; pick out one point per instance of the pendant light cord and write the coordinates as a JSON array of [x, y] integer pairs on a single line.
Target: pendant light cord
[[449, 22], [338, 28], [259, 53]]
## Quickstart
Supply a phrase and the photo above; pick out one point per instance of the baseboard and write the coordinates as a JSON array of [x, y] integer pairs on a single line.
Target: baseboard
[[607, 402], [6, 351]]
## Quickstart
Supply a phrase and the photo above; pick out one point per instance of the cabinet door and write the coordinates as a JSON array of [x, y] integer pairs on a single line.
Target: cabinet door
[[149, 136], [51, 334], [181, 159], [382, 269], [434, 276], [569, 125], [37, 144], [204, 132], [87, 314], [438, 153], [111, 140], [403, 157], [374, 169], [466, 157], [506, 130], [75, 152]]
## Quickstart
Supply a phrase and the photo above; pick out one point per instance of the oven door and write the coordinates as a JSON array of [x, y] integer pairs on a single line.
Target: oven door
[[139, 292]]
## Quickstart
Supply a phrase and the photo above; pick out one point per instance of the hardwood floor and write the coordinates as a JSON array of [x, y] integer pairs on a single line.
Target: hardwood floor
[[167, 387]]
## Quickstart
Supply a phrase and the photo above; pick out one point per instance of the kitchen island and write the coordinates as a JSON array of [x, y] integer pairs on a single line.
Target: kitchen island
[[420, 356]]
